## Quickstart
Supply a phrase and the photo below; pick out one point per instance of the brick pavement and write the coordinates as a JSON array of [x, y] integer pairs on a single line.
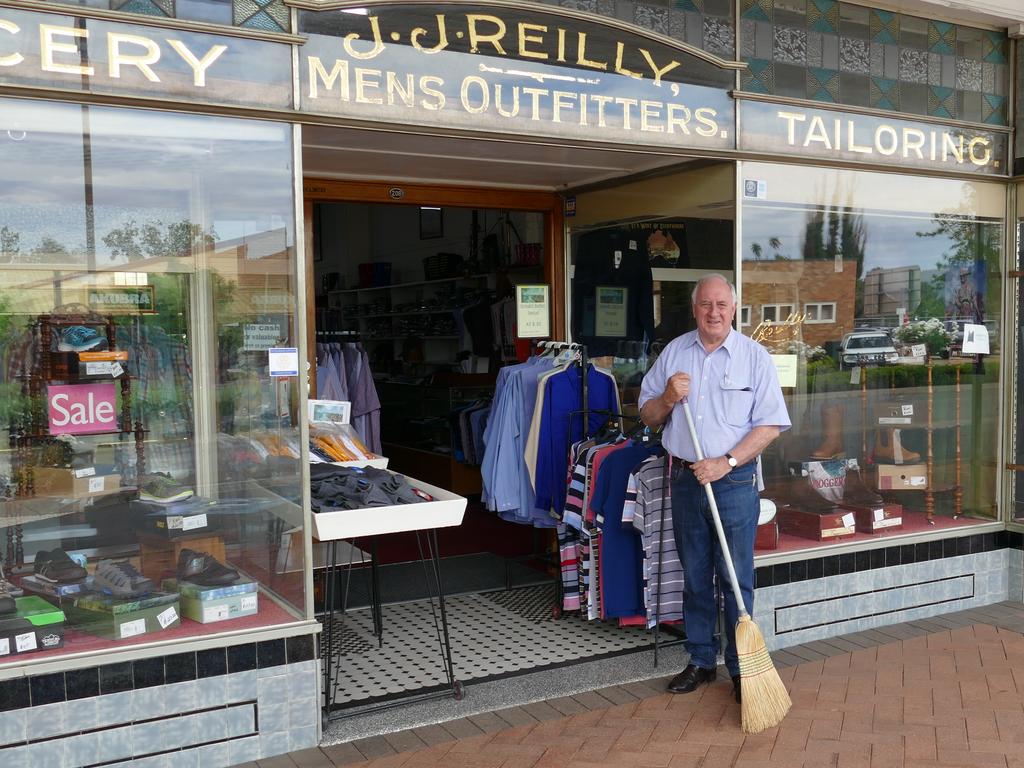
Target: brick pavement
[[942, 692]]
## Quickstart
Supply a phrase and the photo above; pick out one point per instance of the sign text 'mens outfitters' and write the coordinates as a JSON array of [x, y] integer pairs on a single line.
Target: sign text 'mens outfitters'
[[534, 74]]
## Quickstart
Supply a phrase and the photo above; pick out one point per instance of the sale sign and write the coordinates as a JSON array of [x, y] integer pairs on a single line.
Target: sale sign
[[82, 409]]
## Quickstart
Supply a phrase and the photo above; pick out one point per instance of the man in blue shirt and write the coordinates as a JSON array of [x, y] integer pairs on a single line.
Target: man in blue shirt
[[738, 408]]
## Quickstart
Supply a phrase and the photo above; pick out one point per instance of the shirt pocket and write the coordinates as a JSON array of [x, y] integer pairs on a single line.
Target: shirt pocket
[[739, 403]]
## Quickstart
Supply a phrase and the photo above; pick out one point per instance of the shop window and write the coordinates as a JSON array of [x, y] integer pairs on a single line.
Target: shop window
[[820, 312], [151, 480], [892, 396], [776, 313]]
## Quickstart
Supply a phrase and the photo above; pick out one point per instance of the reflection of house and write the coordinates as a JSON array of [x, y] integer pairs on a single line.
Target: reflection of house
[[260, 265], [887, 291], [822, 298]]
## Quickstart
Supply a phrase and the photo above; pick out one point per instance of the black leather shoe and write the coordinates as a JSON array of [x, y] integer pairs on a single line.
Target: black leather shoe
[[690, 678], [737, 689]]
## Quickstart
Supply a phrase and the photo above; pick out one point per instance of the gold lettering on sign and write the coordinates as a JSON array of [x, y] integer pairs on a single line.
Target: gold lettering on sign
[[852, 145], [791, 119], [658, 72], [915, 145], [650, 111], [378, 43], [515, 102], [199, 66], [12, 59], [475, 37], [525, 38], [619, 50], [975, 142], [706, 117], [484, 98], [678, 117], [894, 140], [141, 61], [949, 145], [48, 47], [442, 36], [317, 74], [429, 84], [581, 54], [365, 79], [769, 332], [562, 100], [406, 94]]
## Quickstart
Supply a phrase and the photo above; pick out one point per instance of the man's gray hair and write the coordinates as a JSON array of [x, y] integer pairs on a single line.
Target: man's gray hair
[[709, 278]]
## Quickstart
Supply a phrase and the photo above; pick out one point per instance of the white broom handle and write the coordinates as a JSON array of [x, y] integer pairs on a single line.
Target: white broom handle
[[740, 605]]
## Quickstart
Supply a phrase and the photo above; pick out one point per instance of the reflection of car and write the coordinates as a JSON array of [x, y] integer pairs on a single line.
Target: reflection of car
[[869, 346]]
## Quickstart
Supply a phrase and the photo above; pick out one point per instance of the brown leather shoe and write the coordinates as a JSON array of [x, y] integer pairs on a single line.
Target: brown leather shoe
[[691, 678]]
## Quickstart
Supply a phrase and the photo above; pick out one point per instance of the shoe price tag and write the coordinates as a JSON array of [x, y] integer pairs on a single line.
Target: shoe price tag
[[192, 522], [102, 369], [25, 642], [848, 520], [5, 647], [95, 484], [879, 515], [132, 628], [168, 617], [116, 370], [918, 480], [908, 410], [249, 602], [214, 613], [85, 472]]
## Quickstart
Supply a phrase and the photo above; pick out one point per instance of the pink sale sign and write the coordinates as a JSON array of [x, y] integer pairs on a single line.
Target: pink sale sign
[[82, 409]]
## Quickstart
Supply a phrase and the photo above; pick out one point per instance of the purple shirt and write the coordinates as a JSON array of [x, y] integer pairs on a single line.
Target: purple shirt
[[732, 390]]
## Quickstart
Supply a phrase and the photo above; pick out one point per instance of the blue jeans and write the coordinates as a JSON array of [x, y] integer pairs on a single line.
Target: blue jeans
[[699, 550]]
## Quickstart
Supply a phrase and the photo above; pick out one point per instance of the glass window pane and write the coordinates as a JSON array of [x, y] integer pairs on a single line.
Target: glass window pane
[[137, 249]]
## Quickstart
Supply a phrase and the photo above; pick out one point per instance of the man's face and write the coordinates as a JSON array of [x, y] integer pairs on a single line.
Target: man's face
[[714, 310]]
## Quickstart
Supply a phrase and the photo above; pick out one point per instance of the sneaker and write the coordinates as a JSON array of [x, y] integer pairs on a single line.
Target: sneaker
[[120, 579], [162, 489], [57, 568], [79, 338], [203, 569]]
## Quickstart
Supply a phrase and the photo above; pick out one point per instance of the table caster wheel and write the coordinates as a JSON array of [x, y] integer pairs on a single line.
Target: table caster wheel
[[457, 691], [325, 720], [556, 612]]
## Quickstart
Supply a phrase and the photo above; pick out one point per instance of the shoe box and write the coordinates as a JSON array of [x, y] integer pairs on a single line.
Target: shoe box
[[820, 526], [899, 477], [172, 521], [98, 366], [119, 618], [897, 413], [34, 584], [207, 605], [873, 519], [64, 481], [767, 536], [36, 625], [158, 555]]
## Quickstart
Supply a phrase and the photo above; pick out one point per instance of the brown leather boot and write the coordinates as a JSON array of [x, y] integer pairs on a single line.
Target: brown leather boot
[[857, 492], [832, 430], [889, 448], [802, 496]]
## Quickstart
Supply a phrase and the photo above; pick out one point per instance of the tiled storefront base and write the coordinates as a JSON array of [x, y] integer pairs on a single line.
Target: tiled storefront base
[[1016, 575], [206, 709], [880, 592]]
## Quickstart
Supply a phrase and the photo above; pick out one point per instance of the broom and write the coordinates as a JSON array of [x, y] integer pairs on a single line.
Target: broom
[[765, 700]]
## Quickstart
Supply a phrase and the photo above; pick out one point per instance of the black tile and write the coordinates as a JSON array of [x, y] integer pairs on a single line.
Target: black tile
[[213, 661], [831, 565], [949, 547], [780, 573], [14, 694], [816, 568], [863, 560], [270, 653], [921, 552], [179, 668], [242, 658], [908, 554], [877, 558], [1016, 539], [847, 563], [935, 549], [149, 672], [301, 648], [988, 542], [762, 578], [47, 689], [1001, 541], [963, 545], [82, 683], [115, 678], [892, 556], [798, 570]]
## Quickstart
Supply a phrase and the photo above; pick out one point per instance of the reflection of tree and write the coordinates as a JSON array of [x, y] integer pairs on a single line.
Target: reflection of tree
[[775, 244], [969, 241], [155, 239], [837, 232], [10, 244]]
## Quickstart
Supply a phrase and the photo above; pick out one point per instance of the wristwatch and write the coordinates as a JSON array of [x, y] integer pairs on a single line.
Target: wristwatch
[[731, 459]]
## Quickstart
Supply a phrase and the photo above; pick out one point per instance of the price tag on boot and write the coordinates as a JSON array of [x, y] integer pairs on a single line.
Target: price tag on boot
[[166, 618]]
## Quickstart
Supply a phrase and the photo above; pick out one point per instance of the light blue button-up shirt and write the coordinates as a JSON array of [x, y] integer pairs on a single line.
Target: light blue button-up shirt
[[732, 390]]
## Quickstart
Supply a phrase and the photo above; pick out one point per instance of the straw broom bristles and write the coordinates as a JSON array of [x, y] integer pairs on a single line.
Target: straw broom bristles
[[765, 700]]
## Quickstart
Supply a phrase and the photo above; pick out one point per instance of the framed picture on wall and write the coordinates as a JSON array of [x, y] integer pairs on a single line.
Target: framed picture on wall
[[431, 222]]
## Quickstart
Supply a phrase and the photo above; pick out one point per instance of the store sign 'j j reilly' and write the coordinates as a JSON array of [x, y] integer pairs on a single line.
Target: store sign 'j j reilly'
[[506, 70]]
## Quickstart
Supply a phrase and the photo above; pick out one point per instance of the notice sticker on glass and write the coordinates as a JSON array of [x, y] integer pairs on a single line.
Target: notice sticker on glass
[[785, 368], [283, 361], [855, 375], [25, 642], [919, 350], [248, 602], [610, 311], [166, 618], [5, 647], [975, 340], [533, 313], [95, 484], [192, 522], [85, 472], [848, 520], [215, 613], [132, 628], [907, 409], [755, 189]]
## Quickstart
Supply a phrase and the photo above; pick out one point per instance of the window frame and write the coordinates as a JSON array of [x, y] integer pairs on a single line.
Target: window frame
[[819, 305]]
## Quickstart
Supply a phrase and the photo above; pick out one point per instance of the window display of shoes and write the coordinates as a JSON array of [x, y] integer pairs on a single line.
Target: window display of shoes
[[203, 569], [162, 489], [79, 338], [119, 578], [7, 604], [57, 567]]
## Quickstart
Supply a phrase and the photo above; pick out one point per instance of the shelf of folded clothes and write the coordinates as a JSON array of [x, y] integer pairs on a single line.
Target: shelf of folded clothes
[[364, 501]]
